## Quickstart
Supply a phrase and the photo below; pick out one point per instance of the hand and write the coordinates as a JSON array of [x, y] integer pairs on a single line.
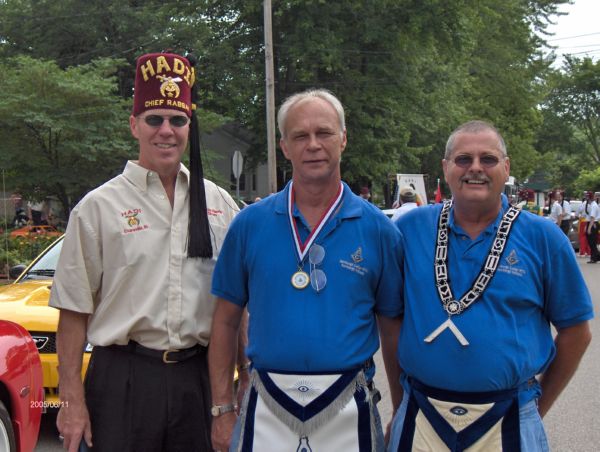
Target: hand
[[222, 429], [73, 423]]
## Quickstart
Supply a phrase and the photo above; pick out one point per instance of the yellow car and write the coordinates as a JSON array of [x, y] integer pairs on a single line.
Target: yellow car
[[25, 302]]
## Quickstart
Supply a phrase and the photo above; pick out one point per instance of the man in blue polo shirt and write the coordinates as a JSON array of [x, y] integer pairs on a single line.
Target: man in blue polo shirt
[[482, 284], [316, 267]]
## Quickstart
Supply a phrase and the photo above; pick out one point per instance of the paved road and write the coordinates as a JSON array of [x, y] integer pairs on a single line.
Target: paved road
[[572, 423]]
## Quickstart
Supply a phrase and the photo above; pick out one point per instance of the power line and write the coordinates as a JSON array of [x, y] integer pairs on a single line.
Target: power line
[[592, 51], [573, 37], [579, 47]]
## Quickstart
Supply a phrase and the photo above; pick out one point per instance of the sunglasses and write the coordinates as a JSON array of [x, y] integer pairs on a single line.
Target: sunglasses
[[318, 279], [157, 120], [465, 161]]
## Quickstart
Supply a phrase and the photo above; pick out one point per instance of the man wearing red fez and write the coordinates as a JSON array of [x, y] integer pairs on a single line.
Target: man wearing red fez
[[133, 281]]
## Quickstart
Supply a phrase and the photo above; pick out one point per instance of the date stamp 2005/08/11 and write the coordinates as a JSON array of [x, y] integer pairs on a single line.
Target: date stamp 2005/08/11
[[47, 404]]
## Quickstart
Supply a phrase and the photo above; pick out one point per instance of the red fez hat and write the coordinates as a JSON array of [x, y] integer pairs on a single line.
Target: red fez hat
[[163, 80], [166, 80]]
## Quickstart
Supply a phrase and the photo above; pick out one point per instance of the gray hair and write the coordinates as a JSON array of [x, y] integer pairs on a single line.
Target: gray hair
[[475, 126], [311, 93]]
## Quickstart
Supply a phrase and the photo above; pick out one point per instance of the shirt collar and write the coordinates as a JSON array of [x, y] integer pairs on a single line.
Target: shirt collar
[[138, 175], [491, 229], [350, 207]]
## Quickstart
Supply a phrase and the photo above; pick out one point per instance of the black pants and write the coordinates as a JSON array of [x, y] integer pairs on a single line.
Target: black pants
[[565, 225], [592, 237], [140, 404]]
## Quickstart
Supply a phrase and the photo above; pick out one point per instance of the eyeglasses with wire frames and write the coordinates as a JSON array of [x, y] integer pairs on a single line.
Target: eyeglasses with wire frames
[[158, 120], [318, 279], [466, 160]]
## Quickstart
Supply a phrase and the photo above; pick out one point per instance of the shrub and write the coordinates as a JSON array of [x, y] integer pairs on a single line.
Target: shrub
[[21, 250]]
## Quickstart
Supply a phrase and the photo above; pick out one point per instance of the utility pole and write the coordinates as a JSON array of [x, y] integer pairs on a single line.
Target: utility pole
[[270, 98]]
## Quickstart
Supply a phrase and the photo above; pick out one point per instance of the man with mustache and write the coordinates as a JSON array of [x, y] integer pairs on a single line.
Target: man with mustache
[[482, 284]]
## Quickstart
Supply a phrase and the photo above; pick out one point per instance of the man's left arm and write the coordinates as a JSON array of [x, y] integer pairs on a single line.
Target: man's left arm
[[389, 331], [243, 363], [571, 343], [222, 356]]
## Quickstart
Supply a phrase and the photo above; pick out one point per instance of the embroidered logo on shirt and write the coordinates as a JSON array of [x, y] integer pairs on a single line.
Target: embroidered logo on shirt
[[133, 223], [357, 255], [132, 220], [512, 260], [357, 258]]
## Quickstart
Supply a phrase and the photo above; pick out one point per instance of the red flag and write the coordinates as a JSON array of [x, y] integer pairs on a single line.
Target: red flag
[[438, 193]]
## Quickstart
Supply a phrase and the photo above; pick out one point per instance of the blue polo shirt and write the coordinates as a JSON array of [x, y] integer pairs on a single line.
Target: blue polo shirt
[[537, 282], [302, 330]]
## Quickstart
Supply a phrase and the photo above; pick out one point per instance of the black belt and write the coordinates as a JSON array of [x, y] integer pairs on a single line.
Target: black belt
[[166, 356]]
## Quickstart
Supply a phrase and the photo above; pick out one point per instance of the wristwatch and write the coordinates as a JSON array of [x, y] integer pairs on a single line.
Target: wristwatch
[[218, 410]]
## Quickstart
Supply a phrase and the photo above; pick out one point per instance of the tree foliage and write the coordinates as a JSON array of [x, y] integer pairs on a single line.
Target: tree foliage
[[575, 98], [407, 71], [62, 131]]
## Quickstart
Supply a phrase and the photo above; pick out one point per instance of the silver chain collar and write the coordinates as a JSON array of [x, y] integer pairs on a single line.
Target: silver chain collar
[[450, 304]]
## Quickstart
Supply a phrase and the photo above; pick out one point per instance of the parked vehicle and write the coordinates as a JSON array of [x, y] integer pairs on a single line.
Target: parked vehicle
[[35, 230], [25, 302], [21, 390], [388, 212], [574, 234], [575, 204]]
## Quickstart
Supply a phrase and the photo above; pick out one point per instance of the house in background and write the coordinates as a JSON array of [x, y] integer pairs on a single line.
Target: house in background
[[223, 142], [539, 183]]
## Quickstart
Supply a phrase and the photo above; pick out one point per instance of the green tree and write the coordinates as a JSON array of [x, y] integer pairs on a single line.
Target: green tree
[[588, 180], [407, 71], [62, 131], [563, 151], [379, 57], [575, 98], [74, 32]]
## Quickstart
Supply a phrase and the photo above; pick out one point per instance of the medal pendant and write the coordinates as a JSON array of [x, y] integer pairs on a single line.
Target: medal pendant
[[300, 279], [448, 324]]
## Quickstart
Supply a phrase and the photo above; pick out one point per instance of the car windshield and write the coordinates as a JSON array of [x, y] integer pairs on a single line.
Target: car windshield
[[44, 268]]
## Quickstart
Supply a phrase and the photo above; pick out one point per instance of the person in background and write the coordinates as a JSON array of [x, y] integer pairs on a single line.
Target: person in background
[[133, 280], [556, 211], [365, 193], [592, 214], [37, 211], [565, 219], [584, 247], [20, 218], [316, 267], [408, 198], [480, 364]]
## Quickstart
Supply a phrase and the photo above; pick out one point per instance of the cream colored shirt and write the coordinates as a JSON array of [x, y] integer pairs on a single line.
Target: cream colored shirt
[[124, 261]]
